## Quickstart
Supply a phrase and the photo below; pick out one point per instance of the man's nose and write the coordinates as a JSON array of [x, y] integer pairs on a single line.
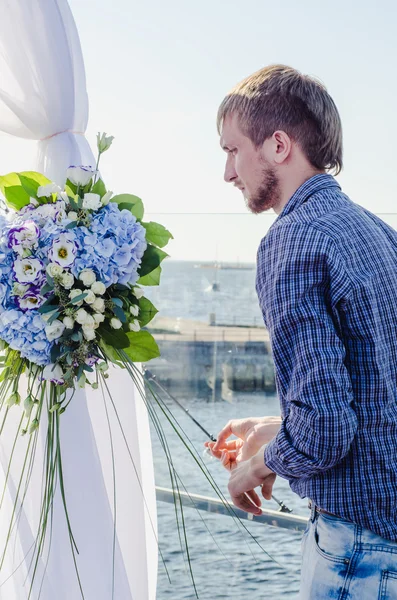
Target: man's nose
[[230, 173]]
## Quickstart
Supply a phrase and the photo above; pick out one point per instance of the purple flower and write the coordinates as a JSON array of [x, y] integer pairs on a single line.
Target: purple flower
[[30, 300], [27, 270], [24, 236]]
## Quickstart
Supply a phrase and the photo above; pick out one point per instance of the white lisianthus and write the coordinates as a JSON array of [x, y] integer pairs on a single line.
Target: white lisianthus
[[80, 175], [115, 323], [138, 292], [53, 373], [89, 332], [99, 305], [99, 318], [68, 322], [87, 276], [55, 330], [98, 288], [73, 294], [44, 191], [90, 297], [54, 270], [63, 249], [134, 325], [91, 201], [27, 269], [106, 198], [81, 316], [134, 310], [103, 142], [19, 290], [67, 280], [72, 215]]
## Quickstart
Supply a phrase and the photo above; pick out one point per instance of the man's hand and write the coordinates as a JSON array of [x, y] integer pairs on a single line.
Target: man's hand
[[252, 434], [245, 477]]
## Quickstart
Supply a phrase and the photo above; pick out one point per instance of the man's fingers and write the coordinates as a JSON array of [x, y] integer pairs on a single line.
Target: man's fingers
[[228, 460], [254, 497], [226, 432], [245, 504], [267, 486]]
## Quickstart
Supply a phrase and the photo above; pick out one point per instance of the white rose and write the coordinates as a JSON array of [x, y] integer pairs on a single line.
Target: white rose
[[138, 292], [98, 288], [80, 175], [72, 215], [134, 310], [99, 305], [90, 297], [115, 323], [106, 198], [54, 270], [67, 280], [88, 332], [87, 276], [134, 325], [91, 201], [99, 318], [68, 322], [44, 191], [81, 316], [73, 294], [55, 330]]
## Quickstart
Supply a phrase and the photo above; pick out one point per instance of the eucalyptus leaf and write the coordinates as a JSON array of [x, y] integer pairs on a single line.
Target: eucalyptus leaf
[[120, 314], [78, 298], [118, 301]]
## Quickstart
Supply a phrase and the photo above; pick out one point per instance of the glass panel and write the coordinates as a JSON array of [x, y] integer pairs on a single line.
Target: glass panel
[[216, 362]]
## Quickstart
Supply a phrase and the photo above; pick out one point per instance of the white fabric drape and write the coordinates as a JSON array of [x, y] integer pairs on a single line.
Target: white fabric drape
[[43, 93]]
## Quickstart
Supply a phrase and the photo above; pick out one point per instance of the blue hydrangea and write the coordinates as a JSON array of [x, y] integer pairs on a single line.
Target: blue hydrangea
[[25, 332], [113, 246]]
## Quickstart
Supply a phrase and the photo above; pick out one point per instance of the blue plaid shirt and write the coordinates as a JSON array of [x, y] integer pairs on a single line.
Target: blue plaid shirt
[[327, 287]]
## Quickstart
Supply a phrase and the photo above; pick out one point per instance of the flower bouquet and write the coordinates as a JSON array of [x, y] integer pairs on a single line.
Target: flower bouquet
[[72, 263]]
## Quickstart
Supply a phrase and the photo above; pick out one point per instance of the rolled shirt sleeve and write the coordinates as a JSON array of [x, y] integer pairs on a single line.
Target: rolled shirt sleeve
[[300, 282]]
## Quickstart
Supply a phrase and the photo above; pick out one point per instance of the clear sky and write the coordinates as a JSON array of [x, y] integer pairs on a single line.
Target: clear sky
[[157, 71]]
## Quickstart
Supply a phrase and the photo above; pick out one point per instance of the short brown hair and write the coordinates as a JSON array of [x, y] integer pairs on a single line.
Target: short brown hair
[[280, 97]]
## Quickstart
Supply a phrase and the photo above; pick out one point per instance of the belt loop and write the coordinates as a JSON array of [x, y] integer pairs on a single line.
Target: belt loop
[[312, 511]]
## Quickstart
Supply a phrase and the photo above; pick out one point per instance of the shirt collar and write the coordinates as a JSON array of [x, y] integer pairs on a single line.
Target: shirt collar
[[315, 184]]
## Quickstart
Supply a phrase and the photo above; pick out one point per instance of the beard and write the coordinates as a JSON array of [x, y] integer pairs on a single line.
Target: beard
[[268, 194]]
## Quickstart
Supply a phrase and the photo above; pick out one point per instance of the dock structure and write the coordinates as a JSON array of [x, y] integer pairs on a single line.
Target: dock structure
[[212, 360], [187, 330]]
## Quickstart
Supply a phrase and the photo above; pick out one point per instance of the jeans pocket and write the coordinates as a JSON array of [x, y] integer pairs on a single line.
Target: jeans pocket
[[334, 538], [388, 586]]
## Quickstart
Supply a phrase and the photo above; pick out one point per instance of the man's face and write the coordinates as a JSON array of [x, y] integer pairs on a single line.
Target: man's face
[[248, 169]]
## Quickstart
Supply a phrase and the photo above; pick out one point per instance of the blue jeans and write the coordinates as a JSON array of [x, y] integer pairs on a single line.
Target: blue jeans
[[344, 561]]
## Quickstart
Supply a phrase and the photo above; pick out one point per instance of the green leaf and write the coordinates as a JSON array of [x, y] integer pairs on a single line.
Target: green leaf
[[132, 203], [120, 314], [31, 182], [78, 298], [47, 288], [151, 260], [53, 316], [157, 234], [110, 353], [99, 188], [147, 311], [71, 225], [142, 346], [72, 187], [16, 197], [118, 301], [152, 278], [55, 352], [46, 308], [114, 337]]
